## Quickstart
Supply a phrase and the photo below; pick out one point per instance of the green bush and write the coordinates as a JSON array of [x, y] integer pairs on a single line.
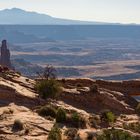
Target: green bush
[[71, 133], [77, 121], [135, 127], [94, 121], [94, 88], [18, 125], [47, 111], [55, 134], [61, 115], [75, 117], [108, 116], [48, 88], [115, 135]]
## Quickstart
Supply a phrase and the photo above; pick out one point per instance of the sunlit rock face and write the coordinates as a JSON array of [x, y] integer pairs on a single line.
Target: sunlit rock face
[[5, 55]]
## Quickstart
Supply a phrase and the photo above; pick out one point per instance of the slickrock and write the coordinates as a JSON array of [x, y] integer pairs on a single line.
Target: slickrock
[[19, 101], [38, 126]]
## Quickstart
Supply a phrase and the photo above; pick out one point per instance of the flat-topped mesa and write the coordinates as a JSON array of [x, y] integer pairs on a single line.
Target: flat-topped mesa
[[5, 55]]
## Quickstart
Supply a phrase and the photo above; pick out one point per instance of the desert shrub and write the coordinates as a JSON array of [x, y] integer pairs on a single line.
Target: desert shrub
[[94, 121], [47, 111], [71, 133], [115, 135], [90, 136], [18, 125], [27, 131], [79, 85], [135, 127], [78, 137], [18, 73], [75, 117], [63, 81], [27, 80], [61, 115], [76, 120], [48, 88], [138, 108], [55, 134], [108, 116], [137, 138], [94, 88]]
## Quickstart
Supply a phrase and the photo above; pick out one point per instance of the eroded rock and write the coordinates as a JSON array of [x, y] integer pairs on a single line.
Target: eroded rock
[[5, 55]]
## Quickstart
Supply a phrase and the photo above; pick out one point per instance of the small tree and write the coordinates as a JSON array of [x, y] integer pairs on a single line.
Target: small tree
[[49, 72]]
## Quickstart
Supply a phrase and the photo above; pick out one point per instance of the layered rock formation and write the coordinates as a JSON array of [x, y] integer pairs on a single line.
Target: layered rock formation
[[82, 97], [19, 101], [5, 55]]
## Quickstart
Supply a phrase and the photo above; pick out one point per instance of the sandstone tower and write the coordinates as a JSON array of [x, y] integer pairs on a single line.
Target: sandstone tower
[[5, 55]]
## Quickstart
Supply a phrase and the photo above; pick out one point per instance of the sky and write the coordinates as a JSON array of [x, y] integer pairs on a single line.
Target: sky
[[122, 11]]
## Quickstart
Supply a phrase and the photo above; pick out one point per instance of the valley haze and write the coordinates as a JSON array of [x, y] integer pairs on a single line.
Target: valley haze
[[75, 48], [108, 52]]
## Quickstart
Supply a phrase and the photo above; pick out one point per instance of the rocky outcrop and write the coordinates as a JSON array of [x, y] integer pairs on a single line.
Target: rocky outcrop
[[127, 87], [130, 88], [97, 102], [38, 127], [19, 101], [5, 55], [77, 92], [13, 88], [17, 89]]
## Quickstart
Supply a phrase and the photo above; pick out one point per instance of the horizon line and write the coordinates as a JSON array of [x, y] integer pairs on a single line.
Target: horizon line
[[98, 22]]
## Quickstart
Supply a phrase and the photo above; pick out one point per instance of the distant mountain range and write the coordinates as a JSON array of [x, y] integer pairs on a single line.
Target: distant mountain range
[[22, 17]]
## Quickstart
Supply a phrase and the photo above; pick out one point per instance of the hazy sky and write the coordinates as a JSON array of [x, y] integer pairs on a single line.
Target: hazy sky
[[124, 11]]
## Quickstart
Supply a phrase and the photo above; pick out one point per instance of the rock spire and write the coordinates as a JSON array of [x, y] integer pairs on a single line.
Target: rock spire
[[5, 55]]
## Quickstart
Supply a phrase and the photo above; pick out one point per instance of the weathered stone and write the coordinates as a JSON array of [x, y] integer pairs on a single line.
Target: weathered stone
[[5, 55]]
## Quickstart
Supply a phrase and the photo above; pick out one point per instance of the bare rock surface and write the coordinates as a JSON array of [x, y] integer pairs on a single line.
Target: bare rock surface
[[38, 127], [18, 100], [96, 102]]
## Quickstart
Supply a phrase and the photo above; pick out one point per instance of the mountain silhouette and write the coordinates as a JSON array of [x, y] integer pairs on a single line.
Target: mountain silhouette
[[22, 17]]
